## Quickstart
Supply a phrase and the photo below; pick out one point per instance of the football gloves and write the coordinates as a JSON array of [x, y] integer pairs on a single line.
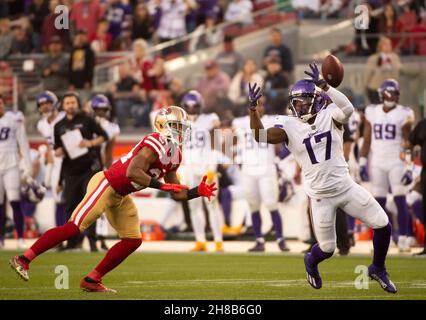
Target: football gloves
[[206, 189], [316, 76], [254, 95]]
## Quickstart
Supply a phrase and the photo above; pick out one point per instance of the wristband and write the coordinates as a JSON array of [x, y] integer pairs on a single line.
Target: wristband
[[193, 193], [155, 184]]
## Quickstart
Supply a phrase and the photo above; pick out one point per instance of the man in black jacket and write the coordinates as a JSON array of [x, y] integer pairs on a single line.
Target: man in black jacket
[[418, 137], [79, 162], [82, 62]]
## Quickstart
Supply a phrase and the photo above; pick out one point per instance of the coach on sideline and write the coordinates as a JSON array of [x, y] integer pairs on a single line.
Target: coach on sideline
[[80, 161], [418, 137]]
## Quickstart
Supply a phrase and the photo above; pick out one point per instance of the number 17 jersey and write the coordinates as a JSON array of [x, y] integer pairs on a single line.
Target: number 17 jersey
[[318, 149]]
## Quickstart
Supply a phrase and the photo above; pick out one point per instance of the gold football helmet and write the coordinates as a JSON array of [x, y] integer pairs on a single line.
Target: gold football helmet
[[173, 123]]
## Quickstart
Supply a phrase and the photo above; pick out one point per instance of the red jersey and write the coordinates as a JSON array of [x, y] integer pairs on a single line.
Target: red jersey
[[168, 160]]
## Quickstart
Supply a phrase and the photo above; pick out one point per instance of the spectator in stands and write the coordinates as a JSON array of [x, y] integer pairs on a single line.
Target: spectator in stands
[[102, 40], [86, 15], [173, 24], [206, 35], [49, 30], [206, 8], [6, 38], [54, 67], [118, 15], [275, 87], [177, 90], [382, 65], [387, 24], [21, 42], [127, 94], [142, 23], [229, 60], [306, 8], [142, 65], [38, 10], [238, 90], [404, 25], [214, 87], [239, 11], [279, 49], [82, 62], [4, 9]]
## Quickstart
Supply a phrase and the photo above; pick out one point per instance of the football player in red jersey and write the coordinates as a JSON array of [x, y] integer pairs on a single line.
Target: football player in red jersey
[[156, 156]]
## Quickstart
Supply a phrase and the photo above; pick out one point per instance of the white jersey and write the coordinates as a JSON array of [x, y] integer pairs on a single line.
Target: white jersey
[[12, 135], [197, 145], [386, 131], [46, 129], [111, 128], [354, 123], [318, 149], [256, 158]]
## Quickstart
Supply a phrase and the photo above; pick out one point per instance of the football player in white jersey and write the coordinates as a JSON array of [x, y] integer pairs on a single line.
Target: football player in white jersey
[[47, 103], [314, 135], [386, 131], [13, 145], [259, 178], [199, 158], [102, 108]]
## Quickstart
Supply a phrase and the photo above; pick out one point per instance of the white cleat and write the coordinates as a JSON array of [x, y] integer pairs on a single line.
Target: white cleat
[[21, 244], [403, 245]]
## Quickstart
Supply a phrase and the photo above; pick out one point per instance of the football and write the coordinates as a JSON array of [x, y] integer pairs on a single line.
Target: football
[[332, 70]]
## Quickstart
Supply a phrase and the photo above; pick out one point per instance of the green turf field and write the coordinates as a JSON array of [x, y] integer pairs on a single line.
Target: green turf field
[[210, 276]]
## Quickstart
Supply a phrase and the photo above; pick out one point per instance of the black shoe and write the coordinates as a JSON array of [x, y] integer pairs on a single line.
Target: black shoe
[[103, 245], [258, 247], [93, 247], [283, 247], [420, 254], [249, 231]]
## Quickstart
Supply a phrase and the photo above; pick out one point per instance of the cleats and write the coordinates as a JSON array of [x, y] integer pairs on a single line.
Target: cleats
[[219, 246], [21, 267], [258, 247], [199, 247], [382, 277], [282, 246], [312, 274], [94, 287]]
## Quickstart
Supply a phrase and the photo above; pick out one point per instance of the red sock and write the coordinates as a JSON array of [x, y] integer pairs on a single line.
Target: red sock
[[120, 251], [52, 238]]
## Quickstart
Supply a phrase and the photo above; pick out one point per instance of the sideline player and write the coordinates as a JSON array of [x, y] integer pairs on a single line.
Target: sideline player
[[259, 178], [13, 143], [199, 158], [315, 137], [156, 156], [387, 127], [102, 110], [47, 106]]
